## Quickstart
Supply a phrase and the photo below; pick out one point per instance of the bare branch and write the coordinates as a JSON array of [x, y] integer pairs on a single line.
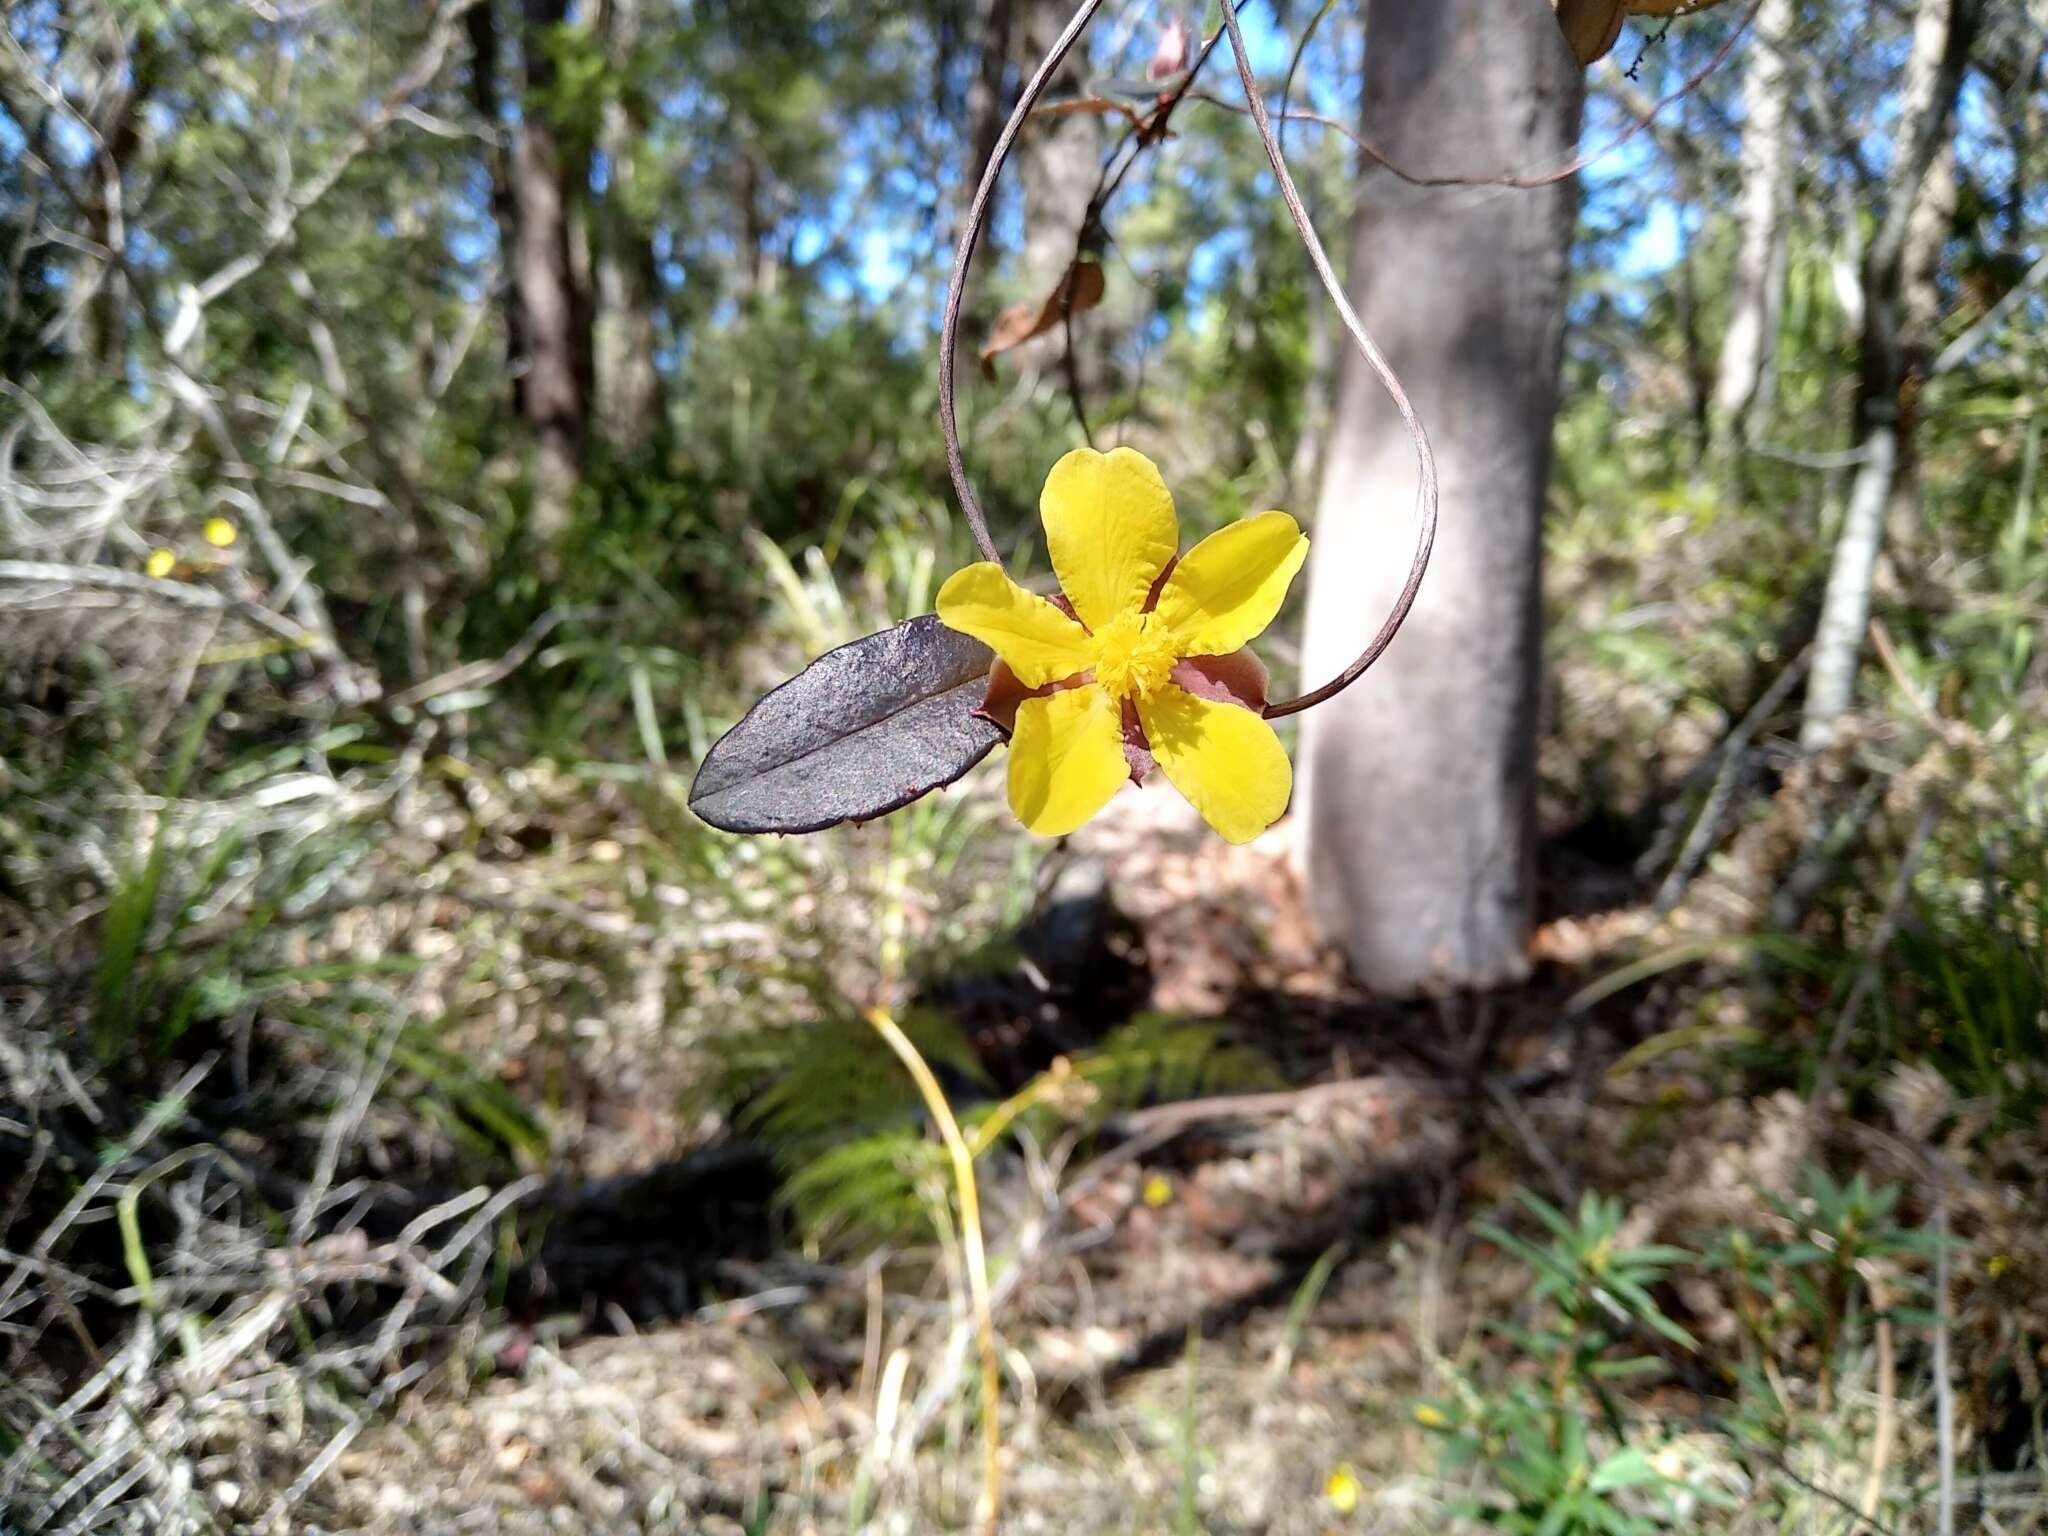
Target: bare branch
[[1958, 350], [284, 216]]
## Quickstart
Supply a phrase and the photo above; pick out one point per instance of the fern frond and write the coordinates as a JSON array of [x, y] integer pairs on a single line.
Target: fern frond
[[867, 1190], [1158, 1057], [796, 1086]]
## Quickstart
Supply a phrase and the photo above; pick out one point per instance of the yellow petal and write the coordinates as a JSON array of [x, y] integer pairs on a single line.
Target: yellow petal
[[1224, 758], [1041, 644], [1066, 759], [1110, 527], [1342, 1490], [161, 563], [220, 533], [1228, 587]]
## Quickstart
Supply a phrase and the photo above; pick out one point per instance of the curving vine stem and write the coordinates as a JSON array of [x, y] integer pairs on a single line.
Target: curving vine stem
[[956, 287], [1427, 490]]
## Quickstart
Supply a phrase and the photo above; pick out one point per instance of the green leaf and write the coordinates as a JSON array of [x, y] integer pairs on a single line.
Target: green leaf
[[1628, 1467], [1621, 1370]]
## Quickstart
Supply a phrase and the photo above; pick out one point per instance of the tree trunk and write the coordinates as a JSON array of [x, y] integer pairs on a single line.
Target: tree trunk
[[1059, 158], [1418, 792], [1942, 33], [628, 389], [553, 319], [988, 105], [481, 21], [1742, 381], [112, 102], [988, 108], [1920, 308]]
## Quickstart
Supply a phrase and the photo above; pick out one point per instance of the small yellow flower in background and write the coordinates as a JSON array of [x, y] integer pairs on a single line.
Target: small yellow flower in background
[[1343, 1490], [1429, 1416], [220, 533], [1144, 661], [1997, 1264], [161, 563], [1158, 1191]]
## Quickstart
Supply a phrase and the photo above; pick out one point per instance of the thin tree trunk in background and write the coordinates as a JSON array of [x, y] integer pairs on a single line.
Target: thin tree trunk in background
[[1305, 463], [1059, 157], [1418, 791], [628, 389], [1699, 381], [112, 102], [1942, 33], [544, 288], [757, 274], [988, 107], [1742, 381], [987, 103], [481, 22], [1927, 234]]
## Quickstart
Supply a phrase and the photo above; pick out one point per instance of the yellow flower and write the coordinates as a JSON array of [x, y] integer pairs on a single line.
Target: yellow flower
[[161, 563], [1343, 1490], [1134, 669], [1158, 1191], [220, 533], [1429, 1416]]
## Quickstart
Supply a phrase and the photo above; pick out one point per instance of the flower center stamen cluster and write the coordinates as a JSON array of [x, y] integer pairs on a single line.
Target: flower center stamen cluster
[[1131, 657]]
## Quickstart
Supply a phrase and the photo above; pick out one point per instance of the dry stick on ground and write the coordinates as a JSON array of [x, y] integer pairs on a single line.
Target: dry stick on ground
[[1873, 952], [485, 673], [1881, 640], [1732, 753], [178, 593]]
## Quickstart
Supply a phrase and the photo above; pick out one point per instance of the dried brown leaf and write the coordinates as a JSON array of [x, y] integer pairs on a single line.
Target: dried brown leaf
[[1081, 289], [1591, 26]]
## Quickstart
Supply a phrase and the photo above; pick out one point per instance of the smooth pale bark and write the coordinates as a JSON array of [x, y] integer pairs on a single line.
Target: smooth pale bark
[[553, 319], [628, 391], [1418, 792], [1744, 374], [1895, 305]]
